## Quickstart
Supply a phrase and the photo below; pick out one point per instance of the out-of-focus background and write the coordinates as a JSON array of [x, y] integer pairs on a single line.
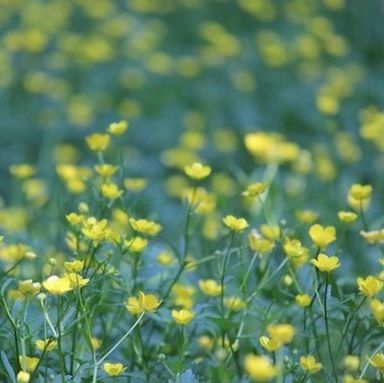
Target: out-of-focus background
[[192, 77]]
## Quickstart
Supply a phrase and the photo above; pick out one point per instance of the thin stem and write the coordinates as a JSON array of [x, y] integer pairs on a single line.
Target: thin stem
[[222, 278], [327, 329], [121, 339], [369, 359]]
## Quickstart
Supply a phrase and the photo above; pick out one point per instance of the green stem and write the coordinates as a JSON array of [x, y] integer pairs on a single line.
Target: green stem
[[222, 278], [327, 330]]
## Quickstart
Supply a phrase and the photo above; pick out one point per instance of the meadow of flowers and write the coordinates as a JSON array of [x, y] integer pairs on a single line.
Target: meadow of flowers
[[192, 191]]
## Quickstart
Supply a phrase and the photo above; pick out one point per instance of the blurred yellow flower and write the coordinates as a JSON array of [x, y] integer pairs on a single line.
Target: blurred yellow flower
[[45, 345], [197, 171], [210, 287], [98, 142], [183, 316], [303, 300], [310, 364], [117, 128], [259, 368]]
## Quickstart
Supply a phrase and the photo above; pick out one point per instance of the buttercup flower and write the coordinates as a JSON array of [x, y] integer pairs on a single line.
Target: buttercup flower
[[377, 361], [148, 302], [259, 244], [325, 263], [259, 368], [98, 142], [197, 171], [57, 286], [269, 344], [377, 309], [283, 333], [23, 377], [255, 189], [309, 364], [47, 345], [322, 236], [117, 128], [347, 216], [183, 316], [210, 287], [303, 300], [28, 364], [235, 224], [113, 369], [369, 286]]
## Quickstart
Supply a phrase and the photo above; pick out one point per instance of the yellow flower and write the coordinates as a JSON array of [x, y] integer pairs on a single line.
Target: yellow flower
[[271, 232], [210, 287], [306, 216], [360, 192], [136, 245], [269, 344], [377, 309], [359, 196], [106, 170], [309, 364], [351, 362], [23, 377], [205, 342], [234, 303], [325, 263], [98, 142], [76, 280], [235, 224], [296, 252], [111, 190], [197, 171], [347, 378], [144, 226], [133, 306], [183, 295], [374, 236], [255, 189], [148, 302], [113, 369], [28, 287], [45, 345], [347, 216], [259, 368], [282, 333], [377, 361], [22, 171], [74, 219], [165, 258], [57, 286], [27, 363], [303, 300], [135, 184], [95, 230], [75, 266], [117, 128], [96, 343], [322, 236], [369, 286], [183, 316], [259, 244]]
